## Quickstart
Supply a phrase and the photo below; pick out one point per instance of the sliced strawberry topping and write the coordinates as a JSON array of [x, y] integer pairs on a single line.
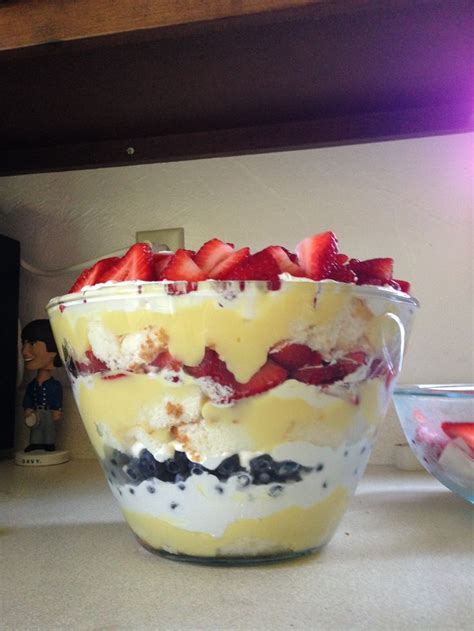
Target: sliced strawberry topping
[[211, 254], [317, 254], [343, 274], [136, 264], [403, 284], [182, 267], [165, 360], [160, 261], [259, 266], [284, 261], [293, 356], [341, 259], [460, 430], [94, 274], [225, 268], [372, 268], [269, 376]]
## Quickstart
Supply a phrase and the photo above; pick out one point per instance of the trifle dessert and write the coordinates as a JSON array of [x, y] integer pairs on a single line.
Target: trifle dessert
[[232, 397]]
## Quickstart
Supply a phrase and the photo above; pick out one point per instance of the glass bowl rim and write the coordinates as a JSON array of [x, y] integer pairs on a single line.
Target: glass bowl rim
[[440, 390], [106, 290]]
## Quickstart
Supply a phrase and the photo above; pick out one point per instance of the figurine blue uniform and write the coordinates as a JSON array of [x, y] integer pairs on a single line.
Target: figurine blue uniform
[[43, 398]]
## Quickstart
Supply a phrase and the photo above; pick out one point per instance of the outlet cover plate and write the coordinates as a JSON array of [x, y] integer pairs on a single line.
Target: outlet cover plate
[[172, 237]]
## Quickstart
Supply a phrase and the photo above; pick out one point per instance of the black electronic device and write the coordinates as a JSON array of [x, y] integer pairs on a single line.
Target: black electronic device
[[10, 280]]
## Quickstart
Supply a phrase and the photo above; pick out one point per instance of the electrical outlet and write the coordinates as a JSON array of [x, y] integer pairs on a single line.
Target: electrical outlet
[[171, 237]]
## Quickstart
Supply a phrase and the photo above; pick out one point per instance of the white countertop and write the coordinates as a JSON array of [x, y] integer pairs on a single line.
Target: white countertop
[[402, 558]]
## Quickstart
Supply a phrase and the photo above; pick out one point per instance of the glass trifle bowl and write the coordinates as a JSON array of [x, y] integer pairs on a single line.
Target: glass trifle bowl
[[233, 419]]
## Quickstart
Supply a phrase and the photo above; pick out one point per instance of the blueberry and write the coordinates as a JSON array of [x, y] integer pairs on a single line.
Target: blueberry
[[173, 505], [132, 470], [263, 478], [196, 469], [132, 491], [178, 464], [275, 490], [243, 480], [287, 468], [149, 467], [319, 467], [172, 466], [261, 464], [229, 466]]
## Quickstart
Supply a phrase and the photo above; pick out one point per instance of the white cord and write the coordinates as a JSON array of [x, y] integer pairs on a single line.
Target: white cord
[[80, 266]]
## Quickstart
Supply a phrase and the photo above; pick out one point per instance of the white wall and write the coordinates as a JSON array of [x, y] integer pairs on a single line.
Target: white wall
[[411, 199]]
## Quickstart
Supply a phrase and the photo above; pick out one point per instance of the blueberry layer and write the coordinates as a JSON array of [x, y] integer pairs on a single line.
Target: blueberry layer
[[123, 469]]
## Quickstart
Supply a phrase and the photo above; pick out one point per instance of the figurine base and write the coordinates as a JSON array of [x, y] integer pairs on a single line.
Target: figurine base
[[41, 458]]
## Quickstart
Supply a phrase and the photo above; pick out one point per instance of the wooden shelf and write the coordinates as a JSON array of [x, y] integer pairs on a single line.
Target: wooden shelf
[[97, 83]]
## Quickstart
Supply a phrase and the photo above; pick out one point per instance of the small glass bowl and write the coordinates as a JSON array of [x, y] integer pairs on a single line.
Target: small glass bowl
[[438, 421]]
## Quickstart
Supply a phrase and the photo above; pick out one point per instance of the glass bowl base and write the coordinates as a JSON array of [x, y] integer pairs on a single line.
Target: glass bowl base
[[229, 561]]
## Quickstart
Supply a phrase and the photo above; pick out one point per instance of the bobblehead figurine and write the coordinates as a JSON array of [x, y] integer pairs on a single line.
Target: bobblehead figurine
[[43, 398]]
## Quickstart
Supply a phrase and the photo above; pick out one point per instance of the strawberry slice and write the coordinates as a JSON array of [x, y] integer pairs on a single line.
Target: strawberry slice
[[319, 375], [93, 364], [160, 261], [372, 268], [284, 261], [317, 255], [212, 367], [460, 430], [403, 284], [94, 274], [165, 360], [294, 356], [225, 268], [343, 274], [135, 264], [182, 267], [341, 259], [259, 266], [269, 376], [431, 443], [211, 254]]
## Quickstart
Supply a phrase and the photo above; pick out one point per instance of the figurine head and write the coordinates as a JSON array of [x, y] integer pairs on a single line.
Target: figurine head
[[39, 348]]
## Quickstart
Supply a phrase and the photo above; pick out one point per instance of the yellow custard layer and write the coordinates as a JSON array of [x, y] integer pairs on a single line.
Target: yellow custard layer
[[134, 408], [242, 331], [290, 530]]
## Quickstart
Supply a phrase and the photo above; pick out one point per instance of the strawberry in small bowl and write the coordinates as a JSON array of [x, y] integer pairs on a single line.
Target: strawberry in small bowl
[[233, 397], [438, 421]]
